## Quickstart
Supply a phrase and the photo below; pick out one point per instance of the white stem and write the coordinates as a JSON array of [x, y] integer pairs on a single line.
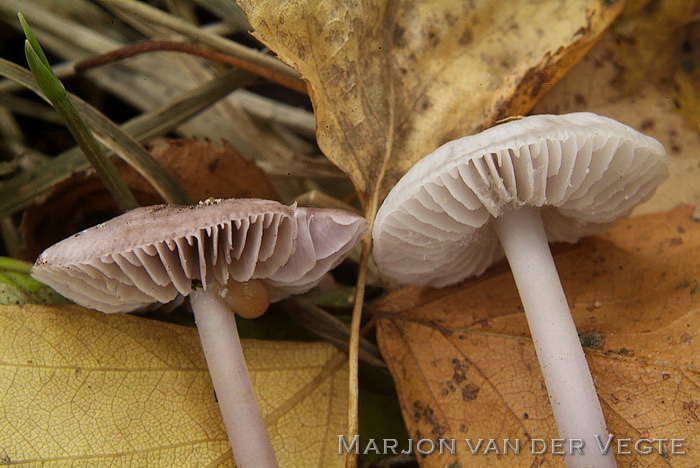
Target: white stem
[[573, 397], [222, 348]]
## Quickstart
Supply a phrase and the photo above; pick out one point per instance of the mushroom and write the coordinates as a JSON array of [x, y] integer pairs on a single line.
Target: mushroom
[[215, 253], [513, 188]]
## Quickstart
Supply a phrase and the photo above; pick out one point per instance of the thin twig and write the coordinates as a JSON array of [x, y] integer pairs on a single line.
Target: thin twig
[[153, 15], [171, 46]]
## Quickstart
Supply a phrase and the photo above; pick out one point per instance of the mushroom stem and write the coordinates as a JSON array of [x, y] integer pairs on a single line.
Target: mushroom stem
[[244, 423], [572, 395]]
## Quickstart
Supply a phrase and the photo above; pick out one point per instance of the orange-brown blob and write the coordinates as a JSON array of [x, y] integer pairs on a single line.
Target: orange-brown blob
[[249, 299]]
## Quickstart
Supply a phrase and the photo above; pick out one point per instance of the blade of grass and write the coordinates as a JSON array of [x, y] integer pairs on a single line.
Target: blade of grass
[[332, 330], [296, 119], [58, 96], [61, 70], [29, 108], [36, 47], [19, 191], [10, 236], [14, 265], [228, 11]]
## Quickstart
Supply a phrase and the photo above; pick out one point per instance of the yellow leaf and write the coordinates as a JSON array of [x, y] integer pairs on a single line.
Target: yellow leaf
[[391, 81], [78, 386], [465, 366]]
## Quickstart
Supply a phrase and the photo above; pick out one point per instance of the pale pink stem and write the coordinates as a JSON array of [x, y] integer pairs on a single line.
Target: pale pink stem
[[244, 423], [573, 396]]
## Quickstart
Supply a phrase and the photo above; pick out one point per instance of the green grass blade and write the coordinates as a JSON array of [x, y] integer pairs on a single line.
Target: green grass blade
[[33, 43], [56, 93], [14, 265], [17, 287]]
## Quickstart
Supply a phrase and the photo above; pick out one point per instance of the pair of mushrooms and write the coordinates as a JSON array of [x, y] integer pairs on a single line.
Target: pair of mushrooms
[[510, 188]]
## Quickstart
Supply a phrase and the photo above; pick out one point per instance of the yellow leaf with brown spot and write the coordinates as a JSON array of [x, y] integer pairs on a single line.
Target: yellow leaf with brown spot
[[391, 81], [81, 387], [465, 366]]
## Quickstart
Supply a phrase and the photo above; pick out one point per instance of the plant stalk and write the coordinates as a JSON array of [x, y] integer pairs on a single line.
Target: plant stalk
[[353, 428], [572, 394]]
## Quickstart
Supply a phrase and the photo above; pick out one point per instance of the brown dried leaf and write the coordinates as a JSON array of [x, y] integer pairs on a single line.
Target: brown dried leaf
[[205, 170], [465, 366], [210, 170], [391, 81]]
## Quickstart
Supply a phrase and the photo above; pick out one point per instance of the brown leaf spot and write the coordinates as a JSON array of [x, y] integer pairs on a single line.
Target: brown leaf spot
[[460, 372], [592, 339], [399, 36], [437, 429], [646, 125], [533, 81], [676, 241], [690, 407], [212, 165], [686, 338], [470, 392], [622, 352], [651, 7], [82, 200], [466, 37]]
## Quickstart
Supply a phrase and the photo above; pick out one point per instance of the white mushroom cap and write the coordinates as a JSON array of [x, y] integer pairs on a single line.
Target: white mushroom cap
[[153, 254], [585, 171]]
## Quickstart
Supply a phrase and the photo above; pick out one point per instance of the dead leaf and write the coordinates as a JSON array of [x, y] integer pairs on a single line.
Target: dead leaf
[[650, 40], [212, 170], [391, 81], [204, 169], [465, 366], [648, 81], [81, 387], [687, 76], [651, 111]]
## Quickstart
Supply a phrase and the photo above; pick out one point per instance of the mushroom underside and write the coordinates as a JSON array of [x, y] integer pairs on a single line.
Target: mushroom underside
[[435, 228], [289, 249]]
